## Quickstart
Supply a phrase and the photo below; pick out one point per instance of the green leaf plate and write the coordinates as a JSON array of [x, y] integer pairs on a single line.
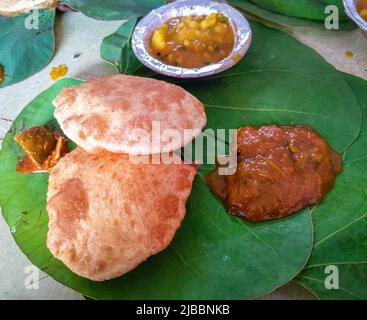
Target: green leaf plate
[[213, 255], [341, 224]]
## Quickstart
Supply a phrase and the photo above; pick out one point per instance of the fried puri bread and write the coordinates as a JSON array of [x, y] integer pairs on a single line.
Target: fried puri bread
[[128, 114], [107, 215], [16, 7]]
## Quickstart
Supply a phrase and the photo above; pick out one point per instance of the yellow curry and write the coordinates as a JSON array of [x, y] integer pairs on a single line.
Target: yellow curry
[[362, 8], [193, 41]]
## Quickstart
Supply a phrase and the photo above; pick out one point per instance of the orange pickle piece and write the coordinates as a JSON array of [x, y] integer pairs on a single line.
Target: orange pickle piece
[[43, 148], [58, 72]]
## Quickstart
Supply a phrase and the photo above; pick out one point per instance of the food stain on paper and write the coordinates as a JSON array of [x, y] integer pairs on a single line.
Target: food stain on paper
[[349, 54]]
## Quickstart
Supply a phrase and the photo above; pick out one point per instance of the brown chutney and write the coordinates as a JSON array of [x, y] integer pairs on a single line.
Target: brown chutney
[[280, 171]]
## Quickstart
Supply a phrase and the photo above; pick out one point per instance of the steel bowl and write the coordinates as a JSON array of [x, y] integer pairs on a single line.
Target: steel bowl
[[145, 28]]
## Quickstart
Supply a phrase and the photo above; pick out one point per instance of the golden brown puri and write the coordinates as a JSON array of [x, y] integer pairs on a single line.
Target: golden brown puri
[[107, 214], [16, 7], [117, 113], [280, 170]]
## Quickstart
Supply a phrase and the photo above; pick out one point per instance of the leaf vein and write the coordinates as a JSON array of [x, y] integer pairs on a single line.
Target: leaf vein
[[188, 265], [339, 230], [264, 110]]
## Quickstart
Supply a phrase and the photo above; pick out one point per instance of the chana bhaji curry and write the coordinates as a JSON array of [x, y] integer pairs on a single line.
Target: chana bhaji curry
[[193, 41], [280, 171], [43, 149], [362, 8]]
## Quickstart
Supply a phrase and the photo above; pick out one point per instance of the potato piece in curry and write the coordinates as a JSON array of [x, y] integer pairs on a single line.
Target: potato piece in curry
[[280, 171], [193, 41], [362, 8]]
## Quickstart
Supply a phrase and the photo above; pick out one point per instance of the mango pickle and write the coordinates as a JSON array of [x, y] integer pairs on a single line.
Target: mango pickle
[[43, 148]]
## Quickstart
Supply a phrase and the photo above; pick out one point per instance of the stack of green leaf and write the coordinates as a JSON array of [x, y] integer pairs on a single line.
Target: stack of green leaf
[[215, 255]]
